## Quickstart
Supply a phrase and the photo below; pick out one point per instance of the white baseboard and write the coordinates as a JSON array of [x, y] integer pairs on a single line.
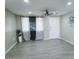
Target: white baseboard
[[46, 39], [68, 42], [51, 38], [10, 48]]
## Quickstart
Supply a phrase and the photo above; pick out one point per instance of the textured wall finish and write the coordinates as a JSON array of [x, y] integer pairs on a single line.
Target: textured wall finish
[[18, 22], [67, 31], [10, 29]]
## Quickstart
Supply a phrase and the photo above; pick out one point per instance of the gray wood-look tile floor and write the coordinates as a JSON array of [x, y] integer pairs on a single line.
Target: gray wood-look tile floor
[[44, 49]]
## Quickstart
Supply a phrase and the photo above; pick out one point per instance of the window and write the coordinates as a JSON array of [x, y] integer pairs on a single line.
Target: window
[[39, 24], [25, 24]]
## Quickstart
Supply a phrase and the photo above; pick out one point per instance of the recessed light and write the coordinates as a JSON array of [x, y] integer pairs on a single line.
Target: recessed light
[[26, 1], [69, 3], [29, 12]]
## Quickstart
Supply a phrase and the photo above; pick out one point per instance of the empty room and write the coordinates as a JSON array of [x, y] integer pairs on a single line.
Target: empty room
[[39, 29]]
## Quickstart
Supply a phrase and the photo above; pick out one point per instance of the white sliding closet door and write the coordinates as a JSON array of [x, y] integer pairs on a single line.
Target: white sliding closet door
[[39, 28], [26, 27]]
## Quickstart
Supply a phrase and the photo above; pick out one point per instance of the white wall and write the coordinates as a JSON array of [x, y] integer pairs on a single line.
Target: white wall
[[10, 30], [51, 28], [18, 22], [46, 28], [54, 27], [67, 31]]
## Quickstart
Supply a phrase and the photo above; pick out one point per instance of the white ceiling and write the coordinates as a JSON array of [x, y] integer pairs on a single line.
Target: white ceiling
[[19, 7]]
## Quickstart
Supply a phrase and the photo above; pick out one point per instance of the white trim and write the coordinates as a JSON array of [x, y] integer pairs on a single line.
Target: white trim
[[54, 38], [46, 38], [68, 41], [51, 38], [10, 48]]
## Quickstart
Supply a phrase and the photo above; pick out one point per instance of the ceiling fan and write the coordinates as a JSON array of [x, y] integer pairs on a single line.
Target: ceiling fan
[[47, 12]]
